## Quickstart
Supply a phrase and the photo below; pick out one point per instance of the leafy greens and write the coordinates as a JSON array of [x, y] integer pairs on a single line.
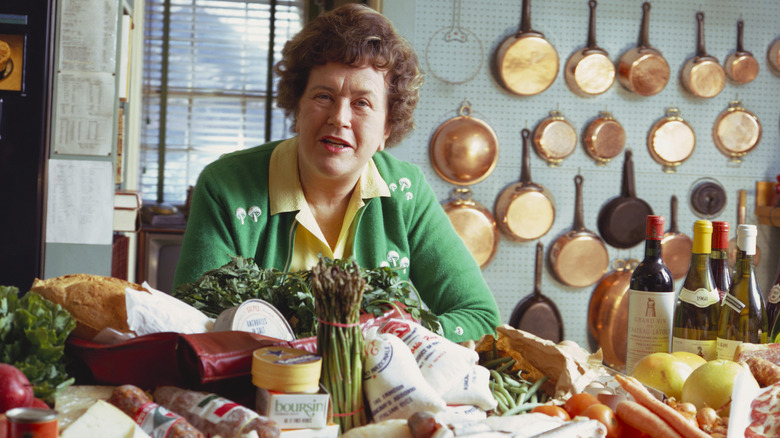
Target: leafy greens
[[290, 292]]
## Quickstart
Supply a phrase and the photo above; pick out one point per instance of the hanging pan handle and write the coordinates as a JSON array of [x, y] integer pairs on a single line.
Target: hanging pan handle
[[673, 221], [629, 190], [644, 30], [538, 270], [525, 170], [579, 214], [700, 50]]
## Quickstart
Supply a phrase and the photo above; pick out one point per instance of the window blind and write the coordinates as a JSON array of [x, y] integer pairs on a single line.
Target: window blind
[[212, 95]]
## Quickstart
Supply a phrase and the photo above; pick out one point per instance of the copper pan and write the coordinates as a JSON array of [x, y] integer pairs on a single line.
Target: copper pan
[[554, 139], [736, 132], [773, 57], [608, 313], [741, 66], [604, 138], [741, 215], [589, 71], [525, 210], [464, 149], [676, 247], [578, 258], [643, 70], [475, 225], [702, 75], [526, 63], [671, 140]]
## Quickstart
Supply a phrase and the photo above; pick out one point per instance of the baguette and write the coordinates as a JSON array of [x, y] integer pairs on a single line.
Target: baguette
[[94, 301]]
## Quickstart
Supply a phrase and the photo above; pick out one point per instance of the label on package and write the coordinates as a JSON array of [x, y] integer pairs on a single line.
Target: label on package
[[155, 420], [700, 297], [708, 349], [294, 410]]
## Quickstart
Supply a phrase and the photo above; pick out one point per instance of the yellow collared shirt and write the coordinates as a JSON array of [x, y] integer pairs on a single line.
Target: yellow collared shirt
[[286, 195]]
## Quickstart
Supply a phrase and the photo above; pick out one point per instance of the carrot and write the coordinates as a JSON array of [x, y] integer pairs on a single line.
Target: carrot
[[675, 419], [643, 420]]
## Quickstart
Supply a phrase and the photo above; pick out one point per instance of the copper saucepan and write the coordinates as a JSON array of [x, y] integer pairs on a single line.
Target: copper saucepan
[[604, 138], [702, 75], [608, 313], [578, 258], [676, 247], [536, 313], [741, 66], [526, 62], [773, 57], [464, 149], [525, 210], [589, 71], [475, 225], [643, 69]]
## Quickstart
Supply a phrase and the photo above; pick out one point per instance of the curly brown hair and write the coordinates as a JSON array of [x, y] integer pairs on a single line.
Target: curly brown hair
[[354, 35]]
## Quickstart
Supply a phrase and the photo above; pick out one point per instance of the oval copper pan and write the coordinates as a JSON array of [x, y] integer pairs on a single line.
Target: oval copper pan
[[464, 149], [671, 141], [578, 258], [676, 247], [612, 317], [736, 132], [475, 225]]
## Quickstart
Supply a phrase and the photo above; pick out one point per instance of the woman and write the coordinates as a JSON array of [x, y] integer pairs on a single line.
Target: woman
[[350, 83]]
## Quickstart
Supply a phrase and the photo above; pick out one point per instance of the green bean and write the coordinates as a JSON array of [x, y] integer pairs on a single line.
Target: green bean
[[524, 407], [532, 390], [497, 361], [505, 366], [510, 381]]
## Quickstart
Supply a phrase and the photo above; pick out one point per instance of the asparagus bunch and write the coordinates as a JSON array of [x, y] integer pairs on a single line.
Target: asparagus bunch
[[338, 286]]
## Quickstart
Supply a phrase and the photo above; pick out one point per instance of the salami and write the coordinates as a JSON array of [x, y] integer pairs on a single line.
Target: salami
[[765, 414], [214, 415], [154, 419]]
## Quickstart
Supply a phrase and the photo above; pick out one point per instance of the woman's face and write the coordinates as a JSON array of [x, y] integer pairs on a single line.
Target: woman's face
[[342, 122]]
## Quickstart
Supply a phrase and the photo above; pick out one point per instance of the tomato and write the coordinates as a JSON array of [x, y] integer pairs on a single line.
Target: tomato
[[578, 403], [607, 417], [553, 411]]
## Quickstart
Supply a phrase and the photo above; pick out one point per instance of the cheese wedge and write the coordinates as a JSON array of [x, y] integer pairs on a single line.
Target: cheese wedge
[[104, 420]]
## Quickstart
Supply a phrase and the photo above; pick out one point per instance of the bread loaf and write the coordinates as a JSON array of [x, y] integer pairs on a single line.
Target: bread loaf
[[94, 301]]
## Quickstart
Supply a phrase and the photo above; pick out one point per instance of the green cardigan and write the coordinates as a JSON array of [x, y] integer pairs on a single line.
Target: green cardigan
[[230, 216]]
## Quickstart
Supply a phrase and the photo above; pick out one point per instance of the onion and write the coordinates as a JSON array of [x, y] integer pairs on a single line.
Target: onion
[[707, 418]]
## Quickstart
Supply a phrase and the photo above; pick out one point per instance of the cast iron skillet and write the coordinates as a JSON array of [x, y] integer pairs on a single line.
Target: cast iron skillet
[[537, 314], [622, 220]]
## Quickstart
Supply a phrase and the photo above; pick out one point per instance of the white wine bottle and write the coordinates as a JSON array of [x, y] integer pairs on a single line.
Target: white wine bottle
[[742, 314], [650, 300], [695, 327]]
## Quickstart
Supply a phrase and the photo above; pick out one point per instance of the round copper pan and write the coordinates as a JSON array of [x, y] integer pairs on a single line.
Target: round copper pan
[[525, 210], [589, 71], [604, 138], [474, 224], [671, 140], [526, 63], [741, 66], [676, 247], [643, 69], [578, 258], [702, 75], [608, 313], [736, 132], [773, 57], [464, 149], [554, 139]]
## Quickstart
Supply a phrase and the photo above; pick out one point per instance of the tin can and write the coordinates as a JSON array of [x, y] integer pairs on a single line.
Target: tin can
[[32, 423]]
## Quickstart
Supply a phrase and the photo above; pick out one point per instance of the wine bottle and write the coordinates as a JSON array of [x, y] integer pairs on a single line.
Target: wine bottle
[[697, 308], [742, 313], [719, 257], [773, 300], [650, 299]]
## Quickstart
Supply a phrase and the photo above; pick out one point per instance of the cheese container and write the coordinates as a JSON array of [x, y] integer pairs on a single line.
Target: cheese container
[[255, 316], [288, 389]]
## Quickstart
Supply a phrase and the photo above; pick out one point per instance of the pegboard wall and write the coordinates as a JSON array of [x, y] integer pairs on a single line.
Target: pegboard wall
[[564, 23]]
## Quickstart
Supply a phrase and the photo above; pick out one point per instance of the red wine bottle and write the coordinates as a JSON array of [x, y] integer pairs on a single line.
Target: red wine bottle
[[719, 258], [650, 299]]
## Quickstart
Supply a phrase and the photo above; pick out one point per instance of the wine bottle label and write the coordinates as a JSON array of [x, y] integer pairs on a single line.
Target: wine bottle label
[[708, 349], [733, 302], [727, 348], [774, 294], [700, 297], [650, 316]]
